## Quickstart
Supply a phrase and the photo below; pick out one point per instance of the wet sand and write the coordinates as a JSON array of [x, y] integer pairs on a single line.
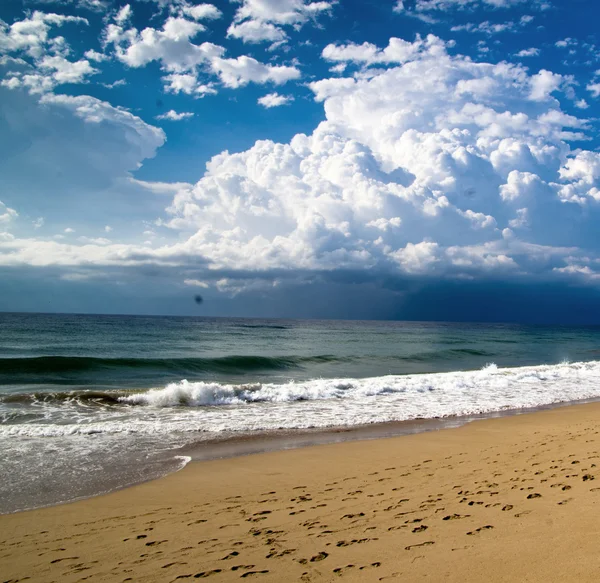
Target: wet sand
[[508, 499]]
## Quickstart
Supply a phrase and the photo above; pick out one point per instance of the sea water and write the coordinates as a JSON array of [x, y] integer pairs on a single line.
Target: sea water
[[92, 403]]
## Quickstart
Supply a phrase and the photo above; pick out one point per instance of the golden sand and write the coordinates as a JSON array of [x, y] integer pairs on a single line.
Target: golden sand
[[510, 499]]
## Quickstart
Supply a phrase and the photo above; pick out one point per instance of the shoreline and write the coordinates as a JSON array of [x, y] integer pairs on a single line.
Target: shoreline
[[504, 499], [263, 442], [290, 439]]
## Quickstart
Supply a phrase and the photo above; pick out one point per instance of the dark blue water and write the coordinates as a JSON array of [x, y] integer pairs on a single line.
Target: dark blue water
[[144, 352]]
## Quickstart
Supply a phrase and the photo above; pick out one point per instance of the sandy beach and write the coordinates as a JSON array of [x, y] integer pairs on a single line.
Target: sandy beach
[[508, 499]]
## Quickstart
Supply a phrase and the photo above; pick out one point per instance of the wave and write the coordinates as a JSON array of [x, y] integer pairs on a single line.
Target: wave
[[509, 387], [577, 380], [210, 408], [226, 364]]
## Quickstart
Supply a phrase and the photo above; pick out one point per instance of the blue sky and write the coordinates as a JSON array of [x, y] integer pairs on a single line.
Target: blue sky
[[367, 159]]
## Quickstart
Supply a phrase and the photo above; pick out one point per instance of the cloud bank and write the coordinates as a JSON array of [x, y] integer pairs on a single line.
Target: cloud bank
[[434, 168]]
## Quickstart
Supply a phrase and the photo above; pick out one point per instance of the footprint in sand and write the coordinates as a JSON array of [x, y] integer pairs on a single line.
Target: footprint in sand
[[425, 544], [481, 529], [202, 575], [457, 516], [346, 543], [340, 570]]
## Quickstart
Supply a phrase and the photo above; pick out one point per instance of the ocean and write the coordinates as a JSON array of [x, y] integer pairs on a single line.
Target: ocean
[[92, 403]]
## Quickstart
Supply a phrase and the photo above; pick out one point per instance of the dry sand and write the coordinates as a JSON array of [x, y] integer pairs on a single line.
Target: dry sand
[[511, 499]]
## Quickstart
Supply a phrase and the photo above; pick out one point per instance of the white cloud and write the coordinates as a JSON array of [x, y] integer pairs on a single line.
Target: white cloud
[[543, 84], [582, 174], [117, 83], [564, 43], [93, 55], [397, 51], [202, 11], [124, 14], [182, 59], [256, 31], [594, 89], [531, 52], [171, 45], [417, 258], [63, 71], [31, 35], [196, 283], [263, 20], [243, 70], [107, 229], [69, 230], [172, 115], [38, 223], [42, 64], [409, 160], [274, 100], [7, 214]]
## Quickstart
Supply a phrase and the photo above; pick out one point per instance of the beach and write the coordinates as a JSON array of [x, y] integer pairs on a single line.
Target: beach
[[507, 499]]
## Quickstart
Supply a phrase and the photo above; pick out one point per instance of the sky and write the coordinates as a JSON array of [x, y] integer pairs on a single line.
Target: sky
[[397, 159]]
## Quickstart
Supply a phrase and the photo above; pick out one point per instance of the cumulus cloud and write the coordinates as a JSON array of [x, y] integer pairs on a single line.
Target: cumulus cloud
[[30, 36], [173, 115], [274, 100], [264, 20], [173, 47], [430, 166], [187, 83], [421, 173], [201, 11], [397, 51], [256, 31], [42, 64], [243, 70], [93, 55]]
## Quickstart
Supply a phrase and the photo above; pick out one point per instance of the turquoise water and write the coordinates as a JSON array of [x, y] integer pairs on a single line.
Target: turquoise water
[[90, 403]]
